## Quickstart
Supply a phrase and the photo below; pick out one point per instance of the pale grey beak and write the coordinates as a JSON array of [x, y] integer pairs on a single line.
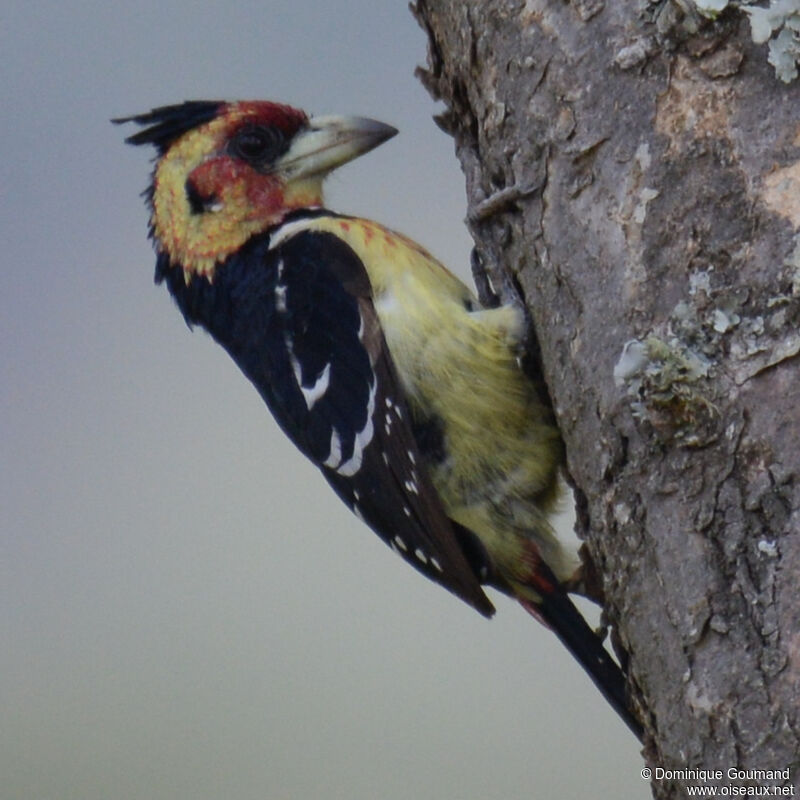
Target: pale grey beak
[[330, 141]]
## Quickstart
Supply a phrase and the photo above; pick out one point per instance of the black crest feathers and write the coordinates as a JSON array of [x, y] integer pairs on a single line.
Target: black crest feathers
[[168, 123]]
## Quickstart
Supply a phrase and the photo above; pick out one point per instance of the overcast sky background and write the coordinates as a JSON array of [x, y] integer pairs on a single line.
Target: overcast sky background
[[186, 611]]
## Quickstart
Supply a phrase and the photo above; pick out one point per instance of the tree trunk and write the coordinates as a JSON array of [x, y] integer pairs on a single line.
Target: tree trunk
[[636, 182]]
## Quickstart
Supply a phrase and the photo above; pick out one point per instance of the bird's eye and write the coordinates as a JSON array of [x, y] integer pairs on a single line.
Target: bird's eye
[[258, 144]]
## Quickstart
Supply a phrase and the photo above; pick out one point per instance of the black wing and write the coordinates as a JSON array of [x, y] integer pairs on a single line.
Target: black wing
[[297, 317], [357, 425]]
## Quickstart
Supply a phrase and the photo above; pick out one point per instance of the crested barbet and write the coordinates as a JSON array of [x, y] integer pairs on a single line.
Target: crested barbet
[[382, 367]]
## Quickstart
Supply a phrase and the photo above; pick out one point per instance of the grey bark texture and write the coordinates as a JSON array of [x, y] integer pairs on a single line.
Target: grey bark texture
[[634, 178]]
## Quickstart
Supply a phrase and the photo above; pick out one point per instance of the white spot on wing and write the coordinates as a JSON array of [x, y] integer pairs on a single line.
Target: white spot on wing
[[421, 556], [335, 454], [400, 543], [280, 288], [287, 230], [297, 367], [280, 297], [310, 393], [436, 565], [315, 392], [363, 437], [411, 486]]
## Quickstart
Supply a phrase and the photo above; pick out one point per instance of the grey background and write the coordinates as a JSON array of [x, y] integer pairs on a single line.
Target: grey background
[[185, 610]]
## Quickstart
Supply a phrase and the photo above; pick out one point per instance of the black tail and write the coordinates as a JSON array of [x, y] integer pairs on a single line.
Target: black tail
[[563, 617]]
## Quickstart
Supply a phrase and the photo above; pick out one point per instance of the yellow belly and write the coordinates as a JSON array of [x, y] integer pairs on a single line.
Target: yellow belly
[[459, 362]]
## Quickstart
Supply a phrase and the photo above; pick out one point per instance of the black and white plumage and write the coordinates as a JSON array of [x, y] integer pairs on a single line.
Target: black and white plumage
[[380, 365], [323, 369]]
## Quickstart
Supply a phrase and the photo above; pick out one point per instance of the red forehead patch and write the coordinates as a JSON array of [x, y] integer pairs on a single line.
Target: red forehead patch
[[261, 112]]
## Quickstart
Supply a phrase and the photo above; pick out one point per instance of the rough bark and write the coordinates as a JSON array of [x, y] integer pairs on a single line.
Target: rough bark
[[633, 182]]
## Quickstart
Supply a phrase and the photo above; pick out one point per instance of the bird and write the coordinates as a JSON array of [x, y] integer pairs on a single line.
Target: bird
[[384, 369]]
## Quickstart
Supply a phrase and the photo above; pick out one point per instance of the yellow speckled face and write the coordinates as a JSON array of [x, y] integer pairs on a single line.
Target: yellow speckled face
[[216, 186], [230, 171]]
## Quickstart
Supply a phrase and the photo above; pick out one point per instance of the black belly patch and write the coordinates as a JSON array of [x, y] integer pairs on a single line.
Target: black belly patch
[[429, 433]]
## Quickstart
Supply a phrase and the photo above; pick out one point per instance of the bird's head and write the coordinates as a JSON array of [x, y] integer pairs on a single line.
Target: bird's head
[[226, 171]]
